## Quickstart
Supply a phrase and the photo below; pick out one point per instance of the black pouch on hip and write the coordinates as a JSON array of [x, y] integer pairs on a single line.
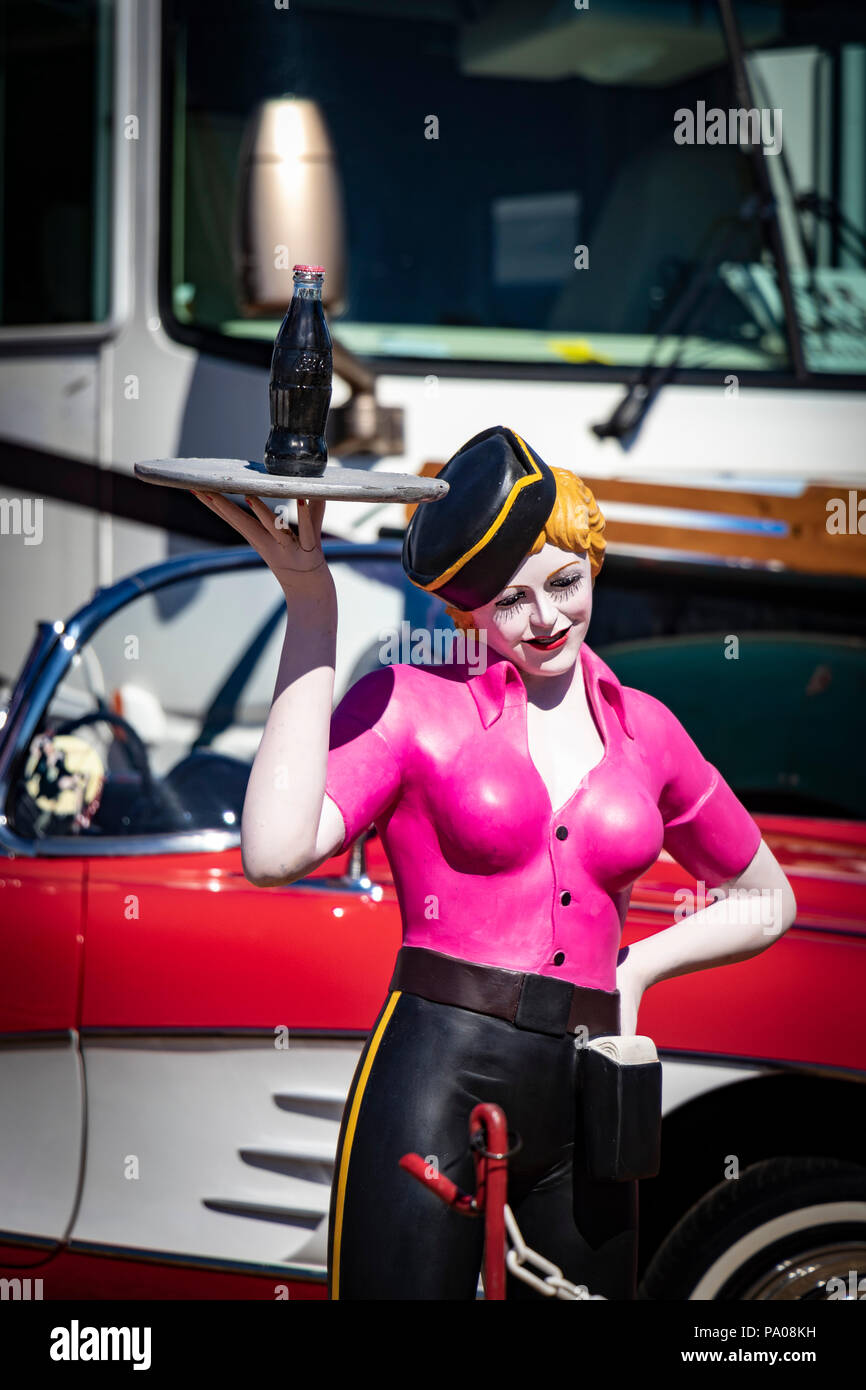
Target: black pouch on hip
[[619, 1109]]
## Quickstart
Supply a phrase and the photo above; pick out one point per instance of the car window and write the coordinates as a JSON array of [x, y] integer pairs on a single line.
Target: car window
[[156, 722]]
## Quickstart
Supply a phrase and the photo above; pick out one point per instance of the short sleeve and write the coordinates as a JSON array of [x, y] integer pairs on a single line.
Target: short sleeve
[[706, 828], [364, 774]]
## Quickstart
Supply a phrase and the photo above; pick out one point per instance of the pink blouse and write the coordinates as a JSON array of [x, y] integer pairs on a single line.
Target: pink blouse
[[484, 868]]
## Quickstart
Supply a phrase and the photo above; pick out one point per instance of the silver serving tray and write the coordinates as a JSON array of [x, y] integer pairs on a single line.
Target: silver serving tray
[[246, 476]]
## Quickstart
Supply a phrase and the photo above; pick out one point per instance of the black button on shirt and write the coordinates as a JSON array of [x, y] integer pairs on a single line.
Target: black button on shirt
[[559, 958], [561, 832], [565, 898]]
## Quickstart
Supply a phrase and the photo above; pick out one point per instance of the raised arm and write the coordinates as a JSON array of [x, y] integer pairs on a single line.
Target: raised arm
[[288, 824]]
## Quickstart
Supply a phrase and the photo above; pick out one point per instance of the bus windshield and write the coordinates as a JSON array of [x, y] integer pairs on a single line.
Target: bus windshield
[[531, 182]]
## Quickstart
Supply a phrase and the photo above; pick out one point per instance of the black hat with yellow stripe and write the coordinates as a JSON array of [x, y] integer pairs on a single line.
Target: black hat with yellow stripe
[[465, 546]]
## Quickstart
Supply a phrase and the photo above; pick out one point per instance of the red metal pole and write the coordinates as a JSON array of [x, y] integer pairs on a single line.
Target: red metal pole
[[488, 1135], [491, 1171]]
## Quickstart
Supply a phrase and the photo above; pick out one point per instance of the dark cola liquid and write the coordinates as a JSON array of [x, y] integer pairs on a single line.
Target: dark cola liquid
[[300, 386]]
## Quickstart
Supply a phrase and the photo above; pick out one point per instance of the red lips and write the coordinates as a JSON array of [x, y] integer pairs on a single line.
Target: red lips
[[545, 644]]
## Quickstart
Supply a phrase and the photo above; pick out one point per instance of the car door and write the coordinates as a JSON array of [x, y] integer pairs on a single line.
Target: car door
[[41, 1095], [41, 949]]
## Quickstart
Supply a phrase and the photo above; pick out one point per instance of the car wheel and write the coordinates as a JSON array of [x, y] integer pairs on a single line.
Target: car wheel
[[778, 1232]]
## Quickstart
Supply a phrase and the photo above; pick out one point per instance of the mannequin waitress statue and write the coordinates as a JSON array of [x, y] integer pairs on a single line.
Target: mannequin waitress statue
[[518, 802]]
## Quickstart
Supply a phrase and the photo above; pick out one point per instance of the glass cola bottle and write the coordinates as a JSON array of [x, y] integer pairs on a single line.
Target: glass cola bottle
[[300, 384]]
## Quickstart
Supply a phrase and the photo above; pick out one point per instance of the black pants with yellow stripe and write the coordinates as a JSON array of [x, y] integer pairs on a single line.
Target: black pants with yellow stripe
[[422, 1070]]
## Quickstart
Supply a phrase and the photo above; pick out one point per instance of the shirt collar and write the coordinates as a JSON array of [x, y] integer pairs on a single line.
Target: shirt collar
[[501, 684]]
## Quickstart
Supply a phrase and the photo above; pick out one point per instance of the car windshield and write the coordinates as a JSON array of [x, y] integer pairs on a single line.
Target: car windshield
[[540, 182], [159, 716]]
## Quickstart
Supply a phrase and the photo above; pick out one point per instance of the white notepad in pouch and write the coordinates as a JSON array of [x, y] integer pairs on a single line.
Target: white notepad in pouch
[[625, 1050]]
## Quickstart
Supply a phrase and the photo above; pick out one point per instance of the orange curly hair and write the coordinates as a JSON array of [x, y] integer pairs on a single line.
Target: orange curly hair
[[575, 523]]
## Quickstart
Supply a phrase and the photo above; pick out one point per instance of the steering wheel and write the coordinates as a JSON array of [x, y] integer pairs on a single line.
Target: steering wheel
[[133, 746]]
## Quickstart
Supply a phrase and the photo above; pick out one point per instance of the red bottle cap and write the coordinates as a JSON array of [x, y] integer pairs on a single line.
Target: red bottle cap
[[318, 269]]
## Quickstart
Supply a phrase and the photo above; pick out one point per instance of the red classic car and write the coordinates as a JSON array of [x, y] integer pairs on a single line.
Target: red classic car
[[176, 1044]]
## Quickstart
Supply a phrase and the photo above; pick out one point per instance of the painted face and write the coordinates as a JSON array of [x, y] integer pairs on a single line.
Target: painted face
[[548, 596]]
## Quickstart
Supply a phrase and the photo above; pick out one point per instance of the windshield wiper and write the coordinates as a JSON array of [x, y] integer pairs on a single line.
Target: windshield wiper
[[628, 416], [743, 97]]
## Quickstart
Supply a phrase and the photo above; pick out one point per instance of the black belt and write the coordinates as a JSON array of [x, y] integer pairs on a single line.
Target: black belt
[[540, 1003]]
